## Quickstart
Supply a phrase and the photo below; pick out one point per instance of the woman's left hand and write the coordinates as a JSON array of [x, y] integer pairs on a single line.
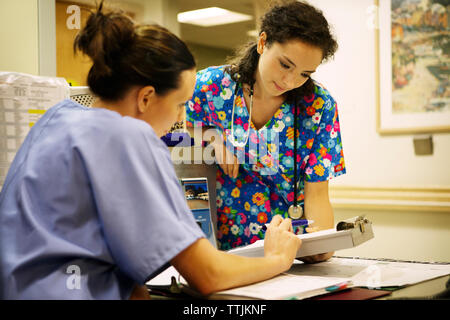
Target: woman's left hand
[[318, 208], [317, 258]]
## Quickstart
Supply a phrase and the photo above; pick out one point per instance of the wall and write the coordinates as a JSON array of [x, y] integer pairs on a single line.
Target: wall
[[73, 67], [162, 12], [412, 236], [206, 56], [19, 36], [382, 161], [351, 79], [24, 49]]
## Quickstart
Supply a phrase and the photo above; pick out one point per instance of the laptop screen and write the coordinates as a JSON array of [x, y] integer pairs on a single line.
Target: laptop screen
[[197, 197]]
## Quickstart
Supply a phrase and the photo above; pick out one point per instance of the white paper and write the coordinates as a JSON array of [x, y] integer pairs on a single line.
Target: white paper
[[283, 286], [286, 286], [373, 273], [165, 277], [23, 100], [306, 280], [392, 274]]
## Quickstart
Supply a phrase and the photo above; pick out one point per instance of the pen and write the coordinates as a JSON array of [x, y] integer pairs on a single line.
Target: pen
[[297, 222], [337, 287]]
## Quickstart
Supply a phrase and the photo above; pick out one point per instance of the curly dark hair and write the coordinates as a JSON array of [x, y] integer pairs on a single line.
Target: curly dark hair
[[293, 20]]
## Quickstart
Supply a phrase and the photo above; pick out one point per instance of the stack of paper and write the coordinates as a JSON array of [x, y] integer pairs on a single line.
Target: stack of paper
[[283, 286], [373, 273], [286, 286]]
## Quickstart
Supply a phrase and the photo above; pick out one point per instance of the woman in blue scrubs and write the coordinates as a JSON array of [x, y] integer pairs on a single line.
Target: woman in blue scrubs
[[91, 207]]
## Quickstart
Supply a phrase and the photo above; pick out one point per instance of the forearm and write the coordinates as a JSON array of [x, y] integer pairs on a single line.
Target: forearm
[[238, 271], [318, 206], [319, 209], [321, 212], [209, 270], [140, 292]]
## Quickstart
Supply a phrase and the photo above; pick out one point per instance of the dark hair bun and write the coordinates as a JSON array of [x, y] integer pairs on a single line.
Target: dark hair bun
[[125, 54], [104, 39]]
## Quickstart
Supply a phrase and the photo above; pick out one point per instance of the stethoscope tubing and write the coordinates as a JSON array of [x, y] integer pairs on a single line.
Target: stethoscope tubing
[[243, 144]]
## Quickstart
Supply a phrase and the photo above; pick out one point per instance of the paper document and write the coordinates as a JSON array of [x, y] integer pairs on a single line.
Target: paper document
[[165, 277], [284, 286], [23, 100], [373, 273], [287, 286]]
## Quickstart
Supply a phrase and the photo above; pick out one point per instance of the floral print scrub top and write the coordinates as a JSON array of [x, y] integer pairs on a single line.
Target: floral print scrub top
[[264, 185]]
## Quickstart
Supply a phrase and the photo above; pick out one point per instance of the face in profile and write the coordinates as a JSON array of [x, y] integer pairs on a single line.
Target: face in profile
[[169, 108]]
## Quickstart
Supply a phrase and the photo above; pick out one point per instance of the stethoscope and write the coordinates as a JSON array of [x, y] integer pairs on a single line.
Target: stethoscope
[[295, 211]]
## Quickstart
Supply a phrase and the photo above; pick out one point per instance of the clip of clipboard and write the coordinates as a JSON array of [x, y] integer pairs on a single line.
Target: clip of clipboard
[[348, 234], [360, 227]]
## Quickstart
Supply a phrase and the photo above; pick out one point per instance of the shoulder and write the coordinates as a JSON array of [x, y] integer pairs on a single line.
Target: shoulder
[[320, 91], [213, 74], [320, 100], [125, 132], [89, 128]]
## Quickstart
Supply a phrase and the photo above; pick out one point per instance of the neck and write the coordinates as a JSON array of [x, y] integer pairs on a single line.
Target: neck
[[125, 107]]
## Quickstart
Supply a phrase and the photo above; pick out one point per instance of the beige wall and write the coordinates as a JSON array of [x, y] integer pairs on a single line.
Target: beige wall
[[383, 162], [19, 30], [372, 159], [208, 56], [412, 236], [19, 36]]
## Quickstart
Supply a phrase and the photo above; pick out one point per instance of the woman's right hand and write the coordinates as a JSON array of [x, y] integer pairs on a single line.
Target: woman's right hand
[[280, 241], [226, 159]]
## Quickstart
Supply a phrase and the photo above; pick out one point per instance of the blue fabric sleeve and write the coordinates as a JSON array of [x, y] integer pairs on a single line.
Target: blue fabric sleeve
[[141, 206], [326, 159]]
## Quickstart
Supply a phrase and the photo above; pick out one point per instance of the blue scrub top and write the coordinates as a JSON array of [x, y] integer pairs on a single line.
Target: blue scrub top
[[90, 207]]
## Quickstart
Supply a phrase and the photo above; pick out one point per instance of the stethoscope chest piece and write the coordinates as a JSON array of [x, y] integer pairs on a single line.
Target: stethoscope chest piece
[[295, 212]]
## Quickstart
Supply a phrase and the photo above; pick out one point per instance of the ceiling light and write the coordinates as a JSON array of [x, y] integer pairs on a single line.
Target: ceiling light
[[211, 17]]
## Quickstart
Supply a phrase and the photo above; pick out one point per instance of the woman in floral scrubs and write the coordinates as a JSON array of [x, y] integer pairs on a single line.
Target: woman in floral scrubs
[[259, 182]]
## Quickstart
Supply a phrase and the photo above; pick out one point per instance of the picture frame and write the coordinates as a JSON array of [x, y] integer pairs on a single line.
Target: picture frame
[[412, 63]]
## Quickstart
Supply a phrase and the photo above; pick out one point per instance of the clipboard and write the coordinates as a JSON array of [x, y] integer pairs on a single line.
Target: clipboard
[[348, 234]]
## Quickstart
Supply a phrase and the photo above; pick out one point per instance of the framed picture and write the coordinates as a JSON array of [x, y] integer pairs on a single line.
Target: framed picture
[[413, 62]]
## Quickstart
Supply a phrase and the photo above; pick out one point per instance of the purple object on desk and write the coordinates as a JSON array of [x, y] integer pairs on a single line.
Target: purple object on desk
[[297, 222], [179, 139]]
